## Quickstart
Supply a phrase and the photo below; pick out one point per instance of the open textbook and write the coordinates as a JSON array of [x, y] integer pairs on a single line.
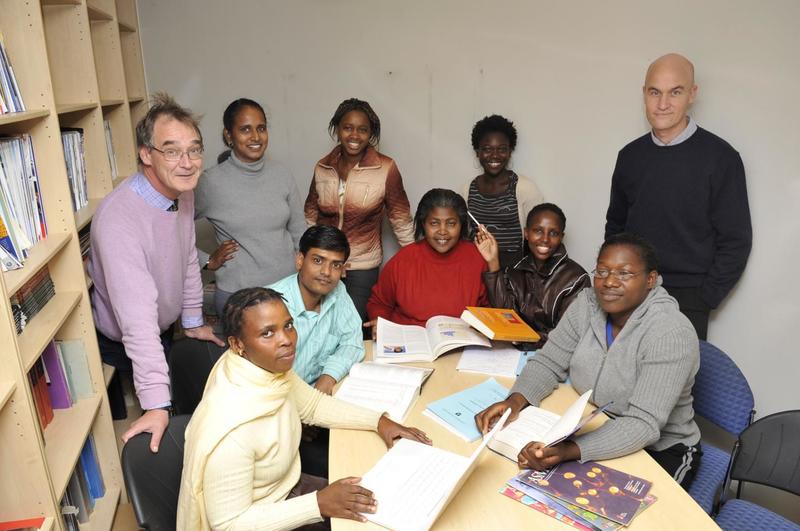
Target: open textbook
[[414, 482], [537, 424], [403, 343], [383, 388]]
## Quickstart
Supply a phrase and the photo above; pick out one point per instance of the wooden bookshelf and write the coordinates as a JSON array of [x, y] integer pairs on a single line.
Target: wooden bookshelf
[[108, 373], [78, 64]]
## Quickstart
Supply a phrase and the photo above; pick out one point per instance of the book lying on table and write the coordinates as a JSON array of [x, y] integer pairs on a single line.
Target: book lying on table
[[502, 324], [540, 425], [383, 388], [403, 343], [565, 512], [597, 488], [457, 411], [414, 482], [498, 360]]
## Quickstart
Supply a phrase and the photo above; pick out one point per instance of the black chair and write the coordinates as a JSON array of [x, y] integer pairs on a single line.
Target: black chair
[[768, 453], [154, 480], [190, 363]]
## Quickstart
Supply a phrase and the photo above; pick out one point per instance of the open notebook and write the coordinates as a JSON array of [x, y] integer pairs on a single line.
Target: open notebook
[[414, 482]]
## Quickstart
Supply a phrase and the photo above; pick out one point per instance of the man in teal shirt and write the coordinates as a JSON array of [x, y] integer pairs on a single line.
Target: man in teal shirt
[[329, 337]]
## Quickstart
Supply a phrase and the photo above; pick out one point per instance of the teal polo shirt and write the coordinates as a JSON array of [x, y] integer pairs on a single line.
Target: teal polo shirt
[[329, 341]]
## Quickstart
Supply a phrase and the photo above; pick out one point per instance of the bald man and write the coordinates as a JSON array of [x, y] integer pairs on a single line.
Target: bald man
[[683, 188]]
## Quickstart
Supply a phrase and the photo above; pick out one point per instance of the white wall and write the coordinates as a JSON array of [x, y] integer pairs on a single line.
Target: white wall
[[568, 73]]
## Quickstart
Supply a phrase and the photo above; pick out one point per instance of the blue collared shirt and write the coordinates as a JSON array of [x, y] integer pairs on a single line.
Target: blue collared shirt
[[684, 135], [329, 341]]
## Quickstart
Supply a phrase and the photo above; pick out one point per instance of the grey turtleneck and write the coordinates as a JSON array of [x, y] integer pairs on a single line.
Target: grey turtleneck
[[258, 205]]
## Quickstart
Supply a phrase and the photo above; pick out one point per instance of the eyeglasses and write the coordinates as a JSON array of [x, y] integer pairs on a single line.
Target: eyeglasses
[[622, 276], [174, 155], [489, 150]]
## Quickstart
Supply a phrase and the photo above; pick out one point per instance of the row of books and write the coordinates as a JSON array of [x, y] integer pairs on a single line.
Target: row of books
[[10, 96], [28, 524], [85, 487], [22, 219], [112, 158], [72, 141], [31, 297], [59, 378], [587, 496]]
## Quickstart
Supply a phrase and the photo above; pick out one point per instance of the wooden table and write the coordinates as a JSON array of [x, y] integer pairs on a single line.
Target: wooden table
[[479, 505]]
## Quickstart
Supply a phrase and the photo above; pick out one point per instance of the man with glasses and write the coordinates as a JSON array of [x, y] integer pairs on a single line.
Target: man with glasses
[[683, 189], [144, 265]]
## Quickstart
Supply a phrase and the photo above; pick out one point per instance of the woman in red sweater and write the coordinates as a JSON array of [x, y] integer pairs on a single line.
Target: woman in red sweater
[[438, 274]]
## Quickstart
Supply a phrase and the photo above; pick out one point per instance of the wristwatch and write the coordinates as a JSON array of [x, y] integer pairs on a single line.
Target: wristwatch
[[169, 409]]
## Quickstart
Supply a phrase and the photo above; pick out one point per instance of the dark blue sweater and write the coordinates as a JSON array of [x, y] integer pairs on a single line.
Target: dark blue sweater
[[690, 201]]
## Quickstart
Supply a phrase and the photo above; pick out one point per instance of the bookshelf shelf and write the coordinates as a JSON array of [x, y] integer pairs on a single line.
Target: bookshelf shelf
[[78, 64], [84, 215], [39, 255], [64, 437], [111, 103], [43, 327], [7, 389], [104, 510], [108, 373], [98, 14], [18, 117], [69, 108]]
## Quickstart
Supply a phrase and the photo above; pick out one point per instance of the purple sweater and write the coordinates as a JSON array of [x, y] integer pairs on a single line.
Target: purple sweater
[[144, 266]]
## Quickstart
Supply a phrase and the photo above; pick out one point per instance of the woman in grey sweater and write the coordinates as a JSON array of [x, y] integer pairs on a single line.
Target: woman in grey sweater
[[254, 206], [626, 340]]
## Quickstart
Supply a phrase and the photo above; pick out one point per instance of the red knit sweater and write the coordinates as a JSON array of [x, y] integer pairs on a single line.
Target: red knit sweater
[[419, 283]]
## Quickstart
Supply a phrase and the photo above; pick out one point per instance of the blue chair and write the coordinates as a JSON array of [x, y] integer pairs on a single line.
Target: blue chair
[[767, 452], [723, 397]]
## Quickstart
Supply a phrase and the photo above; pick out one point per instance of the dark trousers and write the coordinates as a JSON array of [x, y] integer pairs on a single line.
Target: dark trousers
[[307, 484], [359, 287], [190, 363], [680, 461], [693, 307], [314, 453], [113, 353]]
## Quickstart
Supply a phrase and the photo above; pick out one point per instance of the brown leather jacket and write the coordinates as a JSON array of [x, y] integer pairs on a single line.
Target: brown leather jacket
[[540, 296]]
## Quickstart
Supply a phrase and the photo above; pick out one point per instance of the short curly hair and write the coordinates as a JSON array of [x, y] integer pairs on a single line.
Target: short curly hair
[[355, 104], [494, 124]]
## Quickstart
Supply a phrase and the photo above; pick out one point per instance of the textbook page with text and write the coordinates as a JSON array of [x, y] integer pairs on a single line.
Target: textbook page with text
[[405, 343]]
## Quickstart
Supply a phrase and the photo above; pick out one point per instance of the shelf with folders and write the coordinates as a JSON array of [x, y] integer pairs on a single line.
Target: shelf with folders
[[66, 66]]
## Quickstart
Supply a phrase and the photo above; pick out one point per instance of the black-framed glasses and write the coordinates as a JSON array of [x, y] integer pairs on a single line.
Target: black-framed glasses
[[622, 276], [173, 155]]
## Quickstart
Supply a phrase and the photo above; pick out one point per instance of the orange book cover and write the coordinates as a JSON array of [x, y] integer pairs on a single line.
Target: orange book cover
[[502, 324], [30, 523]]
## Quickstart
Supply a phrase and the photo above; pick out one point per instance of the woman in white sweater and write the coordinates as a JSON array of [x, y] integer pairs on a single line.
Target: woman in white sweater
[[241, 462]]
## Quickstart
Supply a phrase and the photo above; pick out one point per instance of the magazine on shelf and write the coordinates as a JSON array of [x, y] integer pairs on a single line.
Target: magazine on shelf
[[403, 343]]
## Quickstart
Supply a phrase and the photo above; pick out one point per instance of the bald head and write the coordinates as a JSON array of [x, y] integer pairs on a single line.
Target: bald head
[[674, 63], [669, 90]]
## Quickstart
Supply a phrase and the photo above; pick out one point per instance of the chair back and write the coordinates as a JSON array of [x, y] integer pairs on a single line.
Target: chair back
[[154, 480], [768, 452], [721, 392]]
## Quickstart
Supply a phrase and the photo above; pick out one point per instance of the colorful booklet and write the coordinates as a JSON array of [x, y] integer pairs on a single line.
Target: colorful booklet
[[457, 411], [581, 515], [502, 324], [597, 488], [543, 507], [403, 343]]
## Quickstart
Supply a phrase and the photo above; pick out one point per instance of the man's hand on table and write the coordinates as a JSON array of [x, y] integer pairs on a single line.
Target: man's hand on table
[[325, 384], [390, 430], [486, 419]]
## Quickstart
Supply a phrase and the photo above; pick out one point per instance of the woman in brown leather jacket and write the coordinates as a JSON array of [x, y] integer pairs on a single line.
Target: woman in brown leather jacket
[[541, 285]]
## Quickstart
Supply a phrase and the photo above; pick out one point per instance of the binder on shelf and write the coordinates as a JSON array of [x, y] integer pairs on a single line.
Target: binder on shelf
[[76, 365], [112, 158], [57, 386], [10, 96], [31, 297], [91, 469]]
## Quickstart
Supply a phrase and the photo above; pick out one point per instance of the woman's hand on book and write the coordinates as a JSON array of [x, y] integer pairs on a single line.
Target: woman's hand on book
[[537, 456], [390, 430], [346, 499], [486, 419]]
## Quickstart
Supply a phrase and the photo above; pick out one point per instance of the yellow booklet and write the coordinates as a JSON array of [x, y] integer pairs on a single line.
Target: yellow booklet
[[501, 324]]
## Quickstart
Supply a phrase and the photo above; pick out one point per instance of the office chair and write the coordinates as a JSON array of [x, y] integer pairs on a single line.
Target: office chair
[[190, 363], [768, 453], [154, 480], [723, 397]]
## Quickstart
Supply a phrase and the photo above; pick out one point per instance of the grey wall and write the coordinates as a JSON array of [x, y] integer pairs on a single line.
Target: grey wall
[[568, 73]]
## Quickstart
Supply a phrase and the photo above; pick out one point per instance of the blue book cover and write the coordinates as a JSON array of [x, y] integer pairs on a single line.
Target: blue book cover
[[92, 469], [457, 411]]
